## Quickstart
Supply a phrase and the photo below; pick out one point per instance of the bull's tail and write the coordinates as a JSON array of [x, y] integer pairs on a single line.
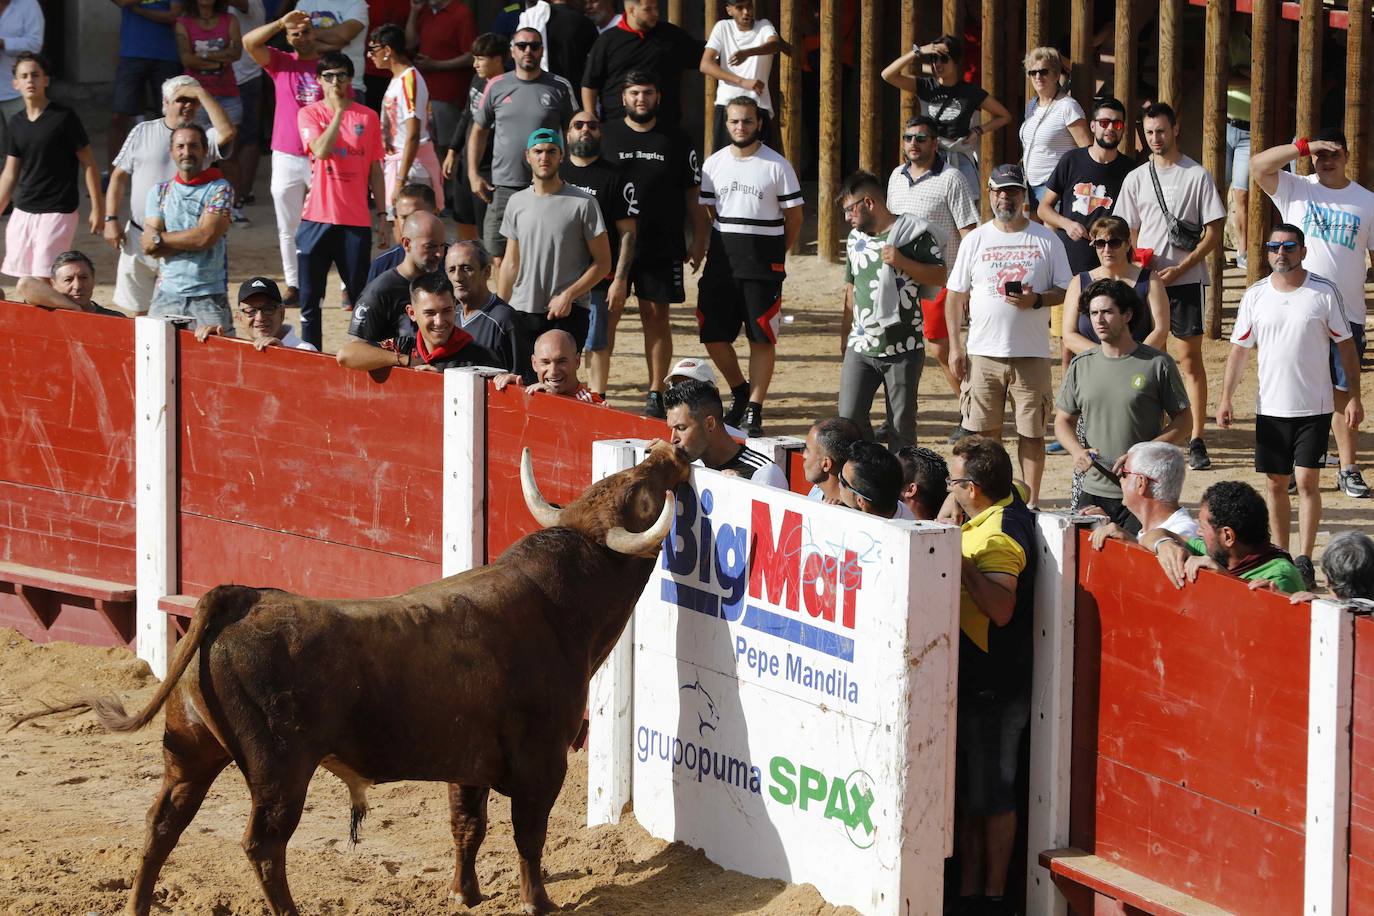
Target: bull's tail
[[110, 709]]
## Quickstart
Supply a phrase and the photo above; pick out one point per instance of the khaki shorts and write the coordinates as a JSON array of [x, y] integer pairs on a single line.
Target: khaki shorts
[[992, 380]]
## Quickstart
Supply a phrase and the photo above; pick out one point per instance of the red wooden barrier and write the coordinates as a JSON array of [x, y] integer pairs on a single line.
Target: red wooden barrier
[[66, 461], [299, 474], [1190, 731], [1361, 890]]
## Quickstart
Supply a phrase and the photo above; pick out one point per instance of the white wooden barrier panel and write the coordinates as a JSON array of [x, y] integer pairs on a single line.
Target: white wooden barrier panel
[[794, 686]]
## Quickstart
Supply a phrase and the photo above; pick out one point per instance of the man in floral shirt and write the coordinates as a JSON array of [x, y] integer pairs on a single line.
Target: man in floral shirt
[[891, 263]]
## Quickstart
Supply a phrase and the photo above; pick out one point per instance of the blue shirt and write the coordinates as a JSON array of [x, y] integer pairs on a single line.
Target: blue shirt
[[192, 273], [139, 37], [383, 262]]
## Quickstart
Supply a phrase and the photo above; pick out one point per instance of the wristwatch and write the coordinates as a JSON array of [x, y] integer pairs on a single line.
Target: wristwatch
[[157, 239], [1039, 300], [111, 219]]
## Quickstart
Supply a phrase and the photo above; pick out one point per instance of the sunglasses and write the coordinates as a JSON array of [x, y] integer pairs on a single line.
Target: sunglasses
[[1113, 244], [917, 138], [527, 45], [940, 58], [186, 101], [957, 481], [1281, 246], [1043, 71], [853, 489], [335, 76], [585, 125], [1110, 123]]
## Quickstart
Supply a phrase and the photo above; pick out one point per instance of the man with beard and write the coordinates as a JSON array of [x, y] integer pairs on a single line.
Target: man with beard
[[481, 312], [640, 44], [380, 312], [695, 421], [436, 344], [888, 258], [1086, 183], [1234, 541], [662, 164], [1168, 189], [1336, 214], [557, 249], [513, 105], [755, 202], [926, 186], [1290, 316], [1007, 271], [615, 196]]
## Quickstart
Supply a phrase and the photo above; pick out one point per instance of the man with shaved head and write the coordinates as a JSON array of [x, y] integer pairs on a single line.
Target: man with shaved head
[[380, 312], [555, 361]]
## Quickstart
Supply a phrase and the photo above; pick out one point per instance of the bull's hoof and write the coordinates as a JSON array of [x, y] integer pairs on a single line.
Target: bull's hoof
[[466, 898], [540, 905]]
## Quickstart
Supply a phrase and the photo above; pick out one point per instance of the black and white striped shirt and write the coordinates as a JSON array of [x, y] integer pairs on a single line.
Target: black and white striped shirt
[[749, 195], [750, 465]]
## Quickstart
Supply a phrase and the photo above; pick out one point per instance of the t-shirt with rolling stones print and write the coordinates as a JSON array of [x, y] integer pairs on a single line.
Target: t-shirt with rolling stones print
[[863, 268]]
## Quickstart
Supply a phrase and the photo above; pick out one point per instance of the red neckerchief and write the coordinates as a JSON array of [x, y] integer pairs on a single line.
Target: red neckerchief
[[451, 347], [625, 24], [204, 177]]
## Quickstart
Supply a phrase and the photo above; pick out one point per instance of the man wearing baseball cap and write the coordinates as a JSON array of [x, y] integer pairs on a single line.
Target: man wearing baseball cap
[[1009, 270], [260, 307], [556, 250]]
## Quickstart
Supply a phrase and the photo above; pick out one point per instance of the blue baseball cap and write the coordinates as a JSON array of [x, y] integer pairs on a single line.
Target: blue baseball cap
[[545, 135]]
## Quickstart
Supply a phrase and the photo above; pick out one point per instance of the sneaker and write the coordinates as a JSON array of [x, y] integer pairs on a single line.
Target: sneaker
[[292, 296], [653, 406], [883, 434], [752, 422], [1197, 455], [237, 218], [249, 199], [1054, 448], [958, 433], [1352, 484], [1242, 260], [735, 415], [1309, 573]]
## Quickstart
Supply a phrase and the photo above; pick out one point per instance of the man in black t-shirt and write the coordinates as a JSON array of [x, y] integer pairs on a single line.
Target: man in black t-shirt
[[47, 143], [570, 35], [380, 312], [1086, 183], [697, 425], [662, 163], [482, 313], [584, 168], [488, 60], [437, 342], [639, 43]]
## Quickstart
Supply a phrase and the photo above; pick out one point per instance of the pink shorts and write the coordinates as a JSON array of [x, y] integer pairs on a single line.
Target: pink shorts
[[33, 240], [425, 170]]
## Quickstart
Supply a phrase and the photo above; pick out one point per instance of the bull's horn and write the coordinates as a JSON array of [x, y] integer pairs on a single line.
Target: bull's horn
[[547, 516], [645, 543]]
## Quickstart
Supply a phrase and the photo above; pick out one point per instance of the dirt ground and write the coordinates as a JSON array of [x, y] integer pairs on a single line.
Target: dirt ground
[[74, 799]]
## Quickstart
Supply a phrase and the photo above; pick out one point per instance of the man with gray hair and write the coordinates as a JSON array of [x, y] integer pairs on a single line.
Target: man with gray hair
[[1348, 563], [144, 161], [1151, 482]]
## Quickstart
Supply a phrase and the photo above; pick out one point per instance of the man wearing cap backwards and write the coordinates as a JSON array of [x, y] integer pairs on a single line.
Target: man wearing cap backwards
[[260, 305], [438, 342], [1008, 271], [557, 249]]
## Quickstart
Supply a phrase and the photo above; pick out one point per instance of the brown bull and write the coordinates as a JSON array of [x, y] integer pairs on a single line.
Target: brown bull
[[478, 680]]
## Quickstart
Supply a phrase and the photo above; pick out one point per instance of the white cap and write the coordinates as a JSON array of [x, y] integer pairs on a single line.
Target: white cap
[[699, 369]]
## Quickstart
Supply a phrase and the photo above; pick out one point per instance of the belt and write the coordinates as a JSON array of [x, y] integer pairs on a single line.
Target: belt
[[135, 225], [1237, 122]]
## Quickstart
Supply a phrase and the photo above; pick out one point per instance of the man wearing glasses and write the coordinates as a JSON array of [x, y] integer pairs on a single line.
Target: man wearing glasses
[[1085, 184], [1335, 213], [1151, 484], [871, 482], [145, 160], [260, 307], [1292, 316], [514, 105]]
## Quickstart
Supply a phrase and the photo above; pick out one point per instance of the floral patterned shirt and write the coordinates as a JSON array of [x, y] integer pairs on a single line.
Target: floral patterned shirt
[[863, 259]]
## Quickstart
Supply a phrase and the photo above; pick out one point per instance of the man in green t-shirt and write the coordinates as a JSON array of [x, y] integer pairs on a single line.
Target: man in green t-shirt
[[1124, 392], [1233, 522], [891, 263]]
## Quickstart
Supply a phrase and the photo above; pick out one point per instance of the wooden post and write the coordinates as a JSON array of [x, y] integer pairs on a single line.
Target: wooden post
[[1082, 59], [1124, 73], [708, 120], [675, 11], [1356, 92], [909, 102], [952, 19], [870, 86], [1264, 18], [787, 103], [1216, 67], [830, 116], [1311, 23], [1170, 54], [1037, 27], [994, 43]]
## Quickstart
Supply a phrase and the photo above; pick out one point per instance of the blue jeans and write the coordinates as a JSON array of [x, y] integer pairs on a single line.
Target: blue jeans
[[319, 245], [1237, 158], [206, 310], [598, 306]]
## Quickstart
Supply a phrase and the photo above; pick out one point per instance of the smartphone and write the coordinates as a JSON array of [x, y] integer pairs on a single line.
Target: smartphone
[[1013, 287]]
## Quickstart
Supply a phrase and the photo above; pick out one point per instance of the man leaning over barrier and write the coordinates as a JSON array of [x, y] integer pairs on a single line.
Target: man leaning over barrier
[[260, 305], [1151, 481], [871, 481], [1233, 529], [71, 286], [555, 362], [438, 343], [696, 419], [1348, 563]]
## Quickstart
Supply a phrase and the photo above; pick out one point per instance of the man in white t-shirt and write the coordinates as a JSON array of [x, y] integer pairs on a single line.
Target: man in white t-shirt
[[739, 55], [1009, 270], [1190, 195], [1336, 214], [341, 25], [1151, 483], [1291, 316]]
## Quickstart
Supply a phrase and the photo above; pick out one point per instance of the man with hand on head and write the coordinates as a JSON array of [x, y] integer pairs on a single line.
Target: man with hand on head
[[555, 361], [438, 342], [261, 307]]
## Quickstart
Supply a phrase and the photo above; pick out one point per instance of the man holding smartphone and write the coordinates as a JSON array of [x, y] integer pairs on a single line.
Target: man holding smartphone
[[1009, 270]]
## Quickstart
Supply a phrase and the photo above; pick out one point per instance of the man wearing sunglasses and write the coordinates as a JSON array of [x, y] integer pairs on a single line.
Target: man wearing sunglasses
[[871, 481], [1336, 214], [1291, 316], [1151, 483], [1085, 184]]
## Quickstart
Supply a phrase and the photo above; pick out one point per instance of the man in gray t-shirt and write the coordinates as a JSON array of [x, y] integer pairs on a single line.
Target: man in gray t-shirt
[[557, 249], [512, 105], [1125, 393]]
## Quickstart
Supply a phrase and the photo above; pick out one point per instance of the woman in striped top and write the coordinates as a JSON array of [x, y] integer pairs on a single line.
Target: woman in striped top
[[1054, 122]]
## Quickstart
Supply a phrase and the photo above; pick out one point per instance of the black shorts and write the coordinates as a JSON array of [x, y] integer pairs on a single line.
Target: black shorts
[[1282, 442], [987, 753], [725, 302], [468, 208], [658, 281], [529, 325], [1185, 309]]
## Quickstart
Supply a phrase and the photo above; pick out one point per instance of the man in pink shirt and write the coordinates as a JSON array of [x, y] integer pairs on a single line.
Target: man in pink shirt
[[293, 78], [344, 142]]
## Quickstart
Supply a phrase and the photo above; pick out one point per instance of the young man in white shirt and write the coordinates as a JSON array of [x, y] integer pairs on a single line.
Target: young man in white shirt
[[1290, 316], [1007, 273], [1336, 214], [739, 55], [405, 113]]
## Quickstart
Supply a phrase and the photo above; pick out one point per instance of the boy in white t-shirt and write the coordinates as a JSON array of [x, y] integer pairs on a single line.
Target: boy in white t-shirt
[[410, 155], [1291, 316], [739, 54]]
